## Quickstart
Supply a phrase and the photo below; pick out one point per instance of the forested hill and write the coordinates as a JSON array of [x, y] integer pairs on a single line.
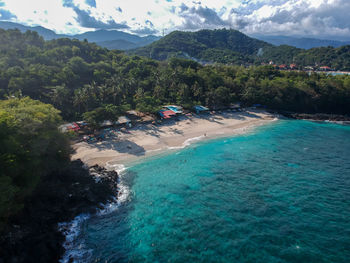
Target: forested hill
[[233, 47], [221, 45], [85, 81]]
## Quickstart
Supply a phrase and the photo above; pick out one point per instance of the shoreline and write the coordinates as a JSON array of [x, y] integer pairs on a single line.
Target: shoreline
[[324, 117], [147, 140], [46, 229], [92, 155], [229, 124]]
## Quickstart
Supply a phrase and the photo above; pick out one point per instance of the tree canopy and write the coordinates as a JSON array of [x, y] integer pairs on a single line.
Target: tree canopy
[[233, 47], [31, 147], [78, 77]]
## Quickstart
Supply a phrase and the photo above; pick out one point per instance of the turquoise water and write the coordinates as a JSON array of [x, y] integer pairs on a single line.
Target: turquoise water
[[278, 194]]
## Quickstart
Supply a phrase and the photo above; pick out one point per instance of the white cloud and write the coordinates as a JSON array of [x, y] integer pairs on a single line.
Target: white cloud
[[317, 18]]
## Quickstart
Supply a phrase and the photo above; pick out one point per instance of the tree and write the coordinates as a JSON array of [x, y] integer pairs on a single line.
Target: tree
[[31, 147], [147, 104], [106, 112]]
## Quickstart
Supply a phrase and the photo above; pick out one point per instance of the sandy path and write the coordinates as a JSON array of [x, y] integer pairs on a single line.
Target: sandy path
[[146, 140]]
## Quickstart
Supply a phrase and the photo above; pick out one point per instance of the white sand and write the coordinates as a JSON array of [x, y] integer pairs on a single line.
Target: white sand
[[146, 140]]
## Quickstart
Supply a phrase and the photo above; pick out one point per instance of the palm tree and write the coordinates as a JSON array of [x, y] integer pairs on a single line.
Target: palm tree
[[81, 98]]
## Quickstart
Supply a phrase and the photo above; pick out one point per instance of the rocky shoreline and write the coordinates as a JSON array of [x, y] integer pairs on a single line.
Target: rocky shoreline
[[316, 116], [33, 235]]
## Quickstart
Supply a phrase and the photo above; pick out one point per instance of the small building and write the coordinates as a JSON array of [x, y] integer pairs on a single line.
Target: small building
[[174, 108], [293, 66], [166, 114], [283, 67], [123, 120], [106, 123], [199, 109], [69, 127]]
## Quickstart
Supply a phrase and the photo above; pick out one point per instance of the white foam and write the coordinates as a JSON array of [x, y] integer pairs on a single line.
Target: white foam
[[123, 194], [187, 142], [119, 168], [75, 249]]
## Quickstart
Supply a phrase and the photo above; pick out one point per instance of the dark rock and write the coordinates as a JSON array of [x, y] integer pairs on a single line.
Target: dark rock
[[316, 116], [33, 235]]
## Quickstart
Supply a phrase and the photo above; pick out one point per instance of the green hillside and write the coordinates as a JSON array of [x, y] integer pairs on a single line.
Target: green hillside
[[233, 47], [222, 45], [83, 80]]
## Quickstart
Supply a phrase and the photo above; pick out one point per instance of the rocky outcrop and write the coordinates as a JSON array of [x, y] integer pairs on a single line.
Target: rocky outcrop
[[316, 116], [33, 235]]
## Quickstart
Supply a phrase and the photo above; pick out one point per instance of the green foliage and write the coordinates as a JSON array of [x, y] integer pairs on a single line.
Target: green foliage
[[232, 47], [83, 80], [148, 104], [78, 77], [31, 147], [105, 112], [221, 45]]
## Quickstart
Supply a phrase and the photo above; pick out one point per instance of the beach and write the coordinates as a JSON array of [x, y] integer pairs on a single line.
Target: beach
[[144, 140]]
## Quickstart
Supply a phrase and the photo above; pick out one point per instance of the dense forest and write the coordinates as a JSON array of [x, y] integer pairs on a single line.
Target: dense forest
[[233, 47], [31, 148], [78, 77], [223, 46]]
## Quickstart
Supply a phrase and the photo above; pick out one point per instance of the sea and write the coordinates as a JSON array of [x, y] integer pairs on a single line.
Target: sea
[[279, 193]]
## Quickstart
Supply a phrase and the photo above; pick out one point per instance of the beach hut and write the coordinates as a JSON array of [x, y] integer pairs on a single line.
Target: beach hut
[[199, 109], [123, 120], [174, 108], [166, 114], [106, 123], [69, 127]]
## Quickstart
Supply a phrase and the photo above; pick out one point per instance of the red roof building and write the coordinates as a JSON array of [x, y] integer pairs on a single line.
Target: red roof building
[[167, 114], [283, 66]]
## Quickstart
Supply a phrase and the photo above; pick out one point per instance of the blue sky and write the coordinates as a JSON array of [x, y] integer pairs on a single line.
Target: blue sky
[[307, 18]]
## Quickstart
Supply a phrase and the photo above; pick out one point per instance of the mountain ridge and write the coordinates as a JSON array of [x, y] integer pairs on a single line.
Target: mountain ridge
[[122, 40], [205, 45], [228, 46], [301, 42]]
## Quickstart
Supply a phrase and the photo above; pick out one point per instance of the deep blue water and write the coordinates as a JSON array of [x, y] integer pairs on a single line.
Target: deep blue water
[[278, 194]]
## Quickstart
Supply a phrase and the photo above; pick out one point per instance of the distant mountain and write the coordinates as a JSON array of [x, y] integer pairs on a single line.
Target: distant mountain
[[111, 39], [47, 34], [221, 45], [305, 43], [118, 44]]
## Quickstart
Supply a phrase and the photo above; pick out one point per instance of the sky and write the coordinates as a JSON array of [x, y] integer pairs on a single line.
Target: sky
[[327, 19]]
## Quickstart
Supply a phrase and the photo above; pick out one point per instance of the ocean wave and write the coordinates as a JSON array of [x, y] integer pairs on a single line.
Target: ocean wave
[[188, 142], [75, 249]]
